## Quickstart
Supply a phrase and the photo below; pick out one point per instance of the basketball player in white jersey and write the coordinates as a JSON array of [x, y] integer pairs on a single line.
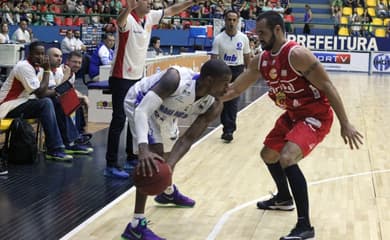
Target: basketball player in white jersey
[[134, 31], [153, 106], [232, 46]]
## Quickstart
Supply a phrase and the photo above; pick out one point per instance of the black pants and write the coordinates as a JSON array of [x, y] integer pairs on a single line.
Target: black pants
[[119, 88], [230, 108], [306, 28]]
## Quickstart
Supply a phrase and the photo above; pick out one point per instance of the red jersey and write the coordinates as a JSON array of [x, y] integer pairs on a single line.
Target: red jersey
[[288, 88]]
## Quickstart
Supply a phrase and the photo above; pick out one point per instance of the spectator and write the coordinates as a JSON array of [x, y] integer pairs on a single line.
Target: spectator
[[49, 15], [70, 6], [95, 17], [366, 23], [355, 22], [336, 15], [103, 55], [22, 34], [80, 8], [7, 16], [381, 9], [31, 97], [307, 18], [279, 9], [267, 7], [78, 44], [350, 3], [67, 44], [336, 3], [116, 7], [155, 45], [4, 37]]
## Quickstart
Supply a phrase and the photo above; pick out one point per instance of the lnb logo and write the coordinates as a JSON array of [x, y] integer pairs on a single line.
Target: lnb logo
[[382, 62], [340, 58]]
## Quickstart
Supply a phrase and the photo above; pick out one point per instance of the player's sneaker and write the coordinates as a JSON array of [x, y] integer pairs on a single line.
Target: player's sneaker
[[115, 172], [175, 198], [300, 232], [140, 232], [78, 149], [275, 203]]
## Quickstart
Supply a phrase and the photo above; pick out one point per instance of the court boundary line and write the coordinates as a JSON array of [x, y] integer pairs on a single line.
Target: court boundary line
[[102, 211], [222, 220]]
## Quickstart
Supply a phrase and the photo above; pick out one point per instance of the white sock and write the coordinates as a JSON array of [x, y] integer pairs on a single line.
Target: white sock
[[136, 218], [169, 190]]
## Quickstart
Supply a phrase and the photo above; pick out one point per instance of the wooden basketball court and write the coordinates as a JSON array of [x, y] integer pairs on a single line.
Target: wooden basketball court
[[349, 196]]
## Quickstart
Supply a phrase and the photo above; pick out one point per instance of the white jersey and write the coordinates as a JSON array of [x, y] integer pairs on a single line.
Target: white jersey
[[131, 45], [17, 89], [180, 104], [231, 49]]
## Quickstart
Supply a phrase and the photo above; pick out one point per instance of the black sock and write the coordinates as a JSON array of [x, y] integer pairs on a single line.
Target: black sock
[[279, 177], [299, 190]]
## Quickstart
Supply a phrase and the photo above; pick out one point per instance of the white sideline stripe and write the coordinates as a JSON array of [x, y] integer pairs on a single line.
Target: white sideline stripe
[[217, 228], [98, 214], [131, 190]]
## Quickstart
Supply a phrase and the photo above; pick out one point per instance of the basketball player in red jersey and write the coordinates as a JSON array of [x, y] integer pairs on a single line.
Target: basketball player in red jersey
[[298, 84]]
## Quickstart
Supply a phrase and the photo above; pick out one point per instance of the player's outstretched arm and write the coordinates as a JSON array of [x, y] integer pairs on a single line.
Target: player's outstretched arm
[[178, 7], [122, 18], [183, 144], [307, 64], [244, 81]]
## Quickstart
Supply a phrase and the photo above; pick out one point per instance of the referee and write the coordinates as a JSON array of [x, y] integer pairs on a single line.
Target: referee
[[232, 46]]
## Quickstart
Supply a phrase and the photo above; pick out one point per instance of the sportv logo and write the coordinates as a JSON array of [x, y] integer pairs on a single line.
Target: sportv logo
[[339, 58]]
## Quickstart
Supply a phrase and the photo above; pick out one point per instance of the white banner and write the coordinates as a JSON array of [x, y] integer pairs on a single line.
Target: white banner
[[344, 61], [380, 62]]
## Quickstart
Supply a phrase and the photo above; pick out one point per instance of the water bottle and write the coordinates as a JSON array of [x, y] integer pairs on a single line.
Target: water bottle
[[171, 50]]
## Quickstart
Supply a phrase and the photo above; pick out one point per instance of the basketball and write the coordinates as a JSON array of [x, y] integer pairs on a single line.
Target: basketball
[[157, 183]]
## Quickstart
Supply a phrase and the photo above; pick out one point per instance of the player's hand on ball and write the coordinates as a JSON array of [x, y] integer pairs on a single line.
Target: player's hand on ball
[[147, 164]]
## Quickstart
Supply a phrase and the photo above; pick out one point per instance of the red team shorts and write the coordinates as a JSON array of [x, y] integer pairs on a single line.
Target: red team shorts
[[306, 132]]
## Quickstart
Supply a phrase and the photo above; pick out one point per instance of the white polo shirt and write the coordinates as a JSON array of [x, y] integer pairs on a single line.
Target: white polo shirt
[[17, 89], [231, 49], [20, 35], [131, 45]]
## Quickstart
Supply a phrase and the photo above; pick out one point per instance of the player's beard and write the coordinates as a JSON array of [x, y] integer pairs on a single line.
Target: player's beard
[[270, 44]]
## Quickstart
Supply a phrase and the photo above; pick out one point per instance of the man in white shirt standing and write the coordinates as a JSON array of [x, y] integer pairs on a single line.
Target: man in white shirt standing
[[22, 35], [135, 24], [232, 46]]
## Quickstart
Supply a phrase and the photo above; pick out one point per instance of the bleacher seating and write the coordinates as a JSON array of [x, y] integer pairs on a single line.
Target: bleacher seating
[[371, 3], [380, 32]]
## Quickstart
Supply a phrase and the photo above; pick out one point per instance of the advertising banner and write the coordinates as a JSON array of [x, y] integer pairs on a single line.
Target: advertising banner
[[380, 62], [344, 61]]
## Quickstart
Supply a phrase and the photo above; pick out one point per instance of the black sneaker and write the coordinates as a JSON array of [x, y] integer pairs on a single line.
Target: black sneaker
[[300, 232], [3, 167], [227, 137], [275, 203]]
